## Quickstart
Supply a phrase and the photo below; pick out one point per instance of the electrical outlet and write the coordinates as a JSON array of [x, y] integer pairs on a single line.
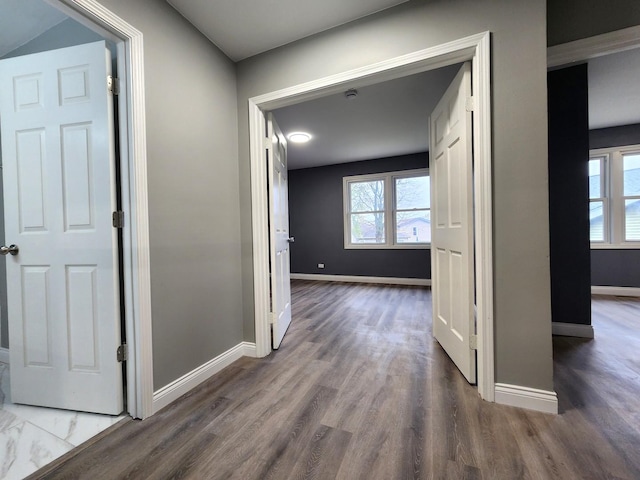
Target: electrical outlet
[[321, 265]]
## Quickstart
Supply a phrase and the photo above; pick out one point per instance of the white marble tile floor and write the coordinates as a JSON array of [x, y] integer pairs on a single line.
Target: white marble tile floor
[[31, 437]]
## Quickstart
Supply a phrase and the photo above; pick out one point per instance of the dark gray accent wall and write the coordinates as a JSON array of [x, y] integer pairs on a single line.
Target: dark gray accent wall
[[615, 136], [569, 195], [569, 20], [615, 267], [316, 222]]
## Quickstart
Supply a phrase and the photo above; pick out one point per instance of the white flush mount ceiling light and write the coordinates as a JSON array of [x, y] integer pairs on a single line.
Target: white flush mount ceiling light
[[299, 137]]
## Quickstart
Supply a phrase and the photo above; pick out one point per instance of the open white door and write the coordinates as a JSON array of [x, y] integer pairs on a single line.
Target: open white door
[[450, 167], [279, 233], [56, 117]]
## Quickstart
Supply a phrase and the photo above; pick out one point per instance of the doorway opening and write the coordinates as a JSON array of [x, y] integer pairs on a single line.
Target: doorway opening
[[609, 64], [475, 49], [132, 164]]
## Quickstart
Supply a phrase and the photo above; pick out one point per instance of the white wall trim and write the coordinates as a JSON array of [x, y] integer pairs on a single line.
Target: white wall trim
[[249, 349], [483, 217], [572, 330], [134, 169], [476, 48], [189, 381], [361, 279], [525, 397], [616, 291], [4, 355], [592, 47]]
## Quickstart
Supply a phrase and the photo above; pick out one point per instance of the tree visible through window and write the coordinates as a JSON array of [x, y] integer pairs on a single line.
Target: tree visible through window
[[387, 210], [367, 212]]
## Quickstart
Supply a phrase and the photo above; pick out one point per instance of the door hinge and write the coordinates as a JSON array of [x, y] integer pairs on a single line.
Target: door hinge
[[118, 219], [113, 86], [473, 342], [122, 354], [470, 104]]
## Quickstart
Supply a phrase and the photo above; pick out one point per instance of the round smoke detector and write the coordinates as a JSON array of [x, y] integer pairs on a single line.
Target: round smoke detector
[[351, 93]]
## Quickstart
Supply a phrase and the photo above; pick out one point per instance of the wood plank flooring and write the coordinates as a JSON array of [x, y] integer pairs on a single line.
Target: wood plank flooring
[[360, 390]]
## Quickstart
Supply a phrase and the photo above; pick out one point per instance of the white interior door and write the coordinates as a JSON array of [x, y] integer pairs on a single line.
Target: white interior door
[[450, 167], [279, 233], [56, 119]]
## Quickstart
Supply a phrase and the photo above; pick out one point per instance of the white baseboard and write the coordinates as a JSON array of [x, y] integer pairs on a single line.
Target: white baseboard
[[572, 330], [4, 355], [249, 350], [182, 385], [616, 291], [422, 282], [525, 397]]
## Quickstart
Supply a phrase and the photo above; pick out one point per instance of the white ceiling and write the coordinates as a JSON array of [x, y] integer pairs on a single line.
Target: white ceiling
[[24, 20], [243, 28], [384, 120], [614, 89]]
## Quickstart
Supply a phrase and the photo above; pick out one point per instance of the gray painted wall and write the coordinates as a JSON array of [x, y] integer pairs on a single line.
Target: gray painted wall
[[618, 267], [65, 34], [523, 353], [192, 142], [316, 222], [570, 20]]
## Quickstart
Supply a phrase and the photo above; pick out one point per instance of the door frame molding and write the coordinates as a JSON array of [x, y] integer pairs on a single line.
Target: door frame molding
[[133, 161], [581, 50], [475, 48]]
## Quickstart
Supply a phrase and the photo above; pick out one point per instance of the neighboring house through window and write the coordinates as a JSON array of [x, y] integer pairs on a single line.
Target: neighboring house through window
[[387, 210], [614, 197]]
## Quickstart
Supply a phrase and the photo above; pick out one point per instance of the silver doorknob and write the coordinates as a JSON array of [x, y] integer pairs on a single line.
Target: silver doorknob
[[291, 239], [12, 249]]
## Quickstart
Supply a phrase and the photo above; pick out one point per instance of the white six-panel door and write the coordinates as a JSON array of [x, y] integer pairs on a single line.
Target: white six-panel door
[[57, 130], [450, 168], [279, 233]]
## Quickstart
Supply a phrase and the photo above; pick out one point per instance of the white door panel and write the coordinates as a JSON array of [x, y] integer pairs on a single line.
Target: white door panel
[[452, 234], [56, 117], [279, 233]]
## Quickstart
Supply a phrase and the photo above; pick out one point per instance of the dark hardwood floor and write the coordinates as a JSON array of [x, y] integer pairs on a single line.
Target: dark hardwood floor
[[360, 390]]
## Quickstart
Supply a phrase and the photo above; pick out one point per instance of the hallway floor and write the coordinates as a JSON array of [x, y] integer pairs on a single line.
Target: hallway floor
[[31, 437], [360, 390]]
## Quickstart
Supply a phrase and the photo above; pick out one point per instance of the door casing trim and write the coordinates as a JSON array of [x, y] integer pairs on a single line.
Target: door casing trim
[[475, 48], [133, 160], [579, 51]]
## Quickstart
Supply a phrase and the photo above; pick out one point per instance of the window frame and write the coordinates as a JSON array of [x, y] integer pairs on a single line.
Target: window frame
[[604, 198], [613, 197], [390, 227]]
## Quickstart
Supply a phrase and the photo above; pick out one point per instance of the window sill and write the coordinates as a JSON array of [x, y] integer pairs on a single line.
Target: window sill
[[615, 246], [388, 247]]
